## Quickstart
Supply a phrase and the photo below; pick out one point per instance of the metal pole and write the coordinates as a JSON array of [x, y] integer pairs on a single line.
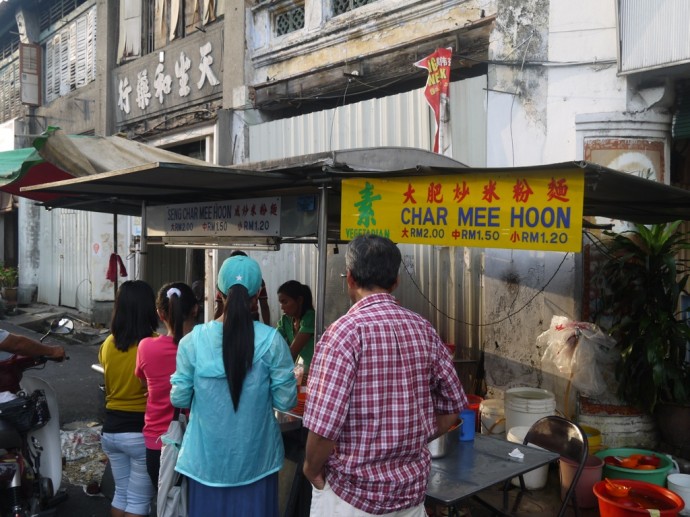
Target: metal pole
[[321, 271], [188, 259], [115, 251], [143, 244]]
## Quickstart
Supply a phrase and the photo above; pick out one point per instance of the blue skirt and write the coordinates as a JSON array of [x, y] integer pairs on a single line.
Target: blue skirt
[[258, 499]]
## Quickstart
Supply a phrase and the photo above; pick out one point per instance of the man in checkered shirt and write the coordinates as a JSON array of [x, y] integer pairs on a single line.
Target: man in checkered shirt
[[381, 385]]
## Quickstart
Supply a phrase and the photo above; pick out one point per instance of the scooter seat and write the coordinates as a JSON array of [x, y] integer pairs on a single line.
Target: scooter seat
[[9, 436]]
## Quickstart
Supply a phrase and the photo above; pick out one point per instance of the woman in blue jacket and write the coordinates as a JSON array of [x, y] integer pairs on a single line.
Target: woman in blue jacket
[[232, 372]]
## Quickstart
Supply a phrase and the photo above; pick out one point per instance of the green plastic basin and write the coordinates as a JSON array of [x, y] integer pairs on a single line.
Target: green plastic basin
[[656, 476]]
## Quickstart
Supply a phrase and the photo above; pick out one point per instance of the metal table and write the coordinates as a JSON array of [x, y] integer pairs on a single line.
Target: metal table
[[470, 467]]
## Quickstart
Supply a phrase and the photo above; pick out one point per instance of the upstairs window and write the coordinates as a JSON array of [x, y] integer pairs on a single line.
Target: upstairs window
[[56, 11], [149, 25], [289, 21], [10, 102], [70, 56], [343, 6]]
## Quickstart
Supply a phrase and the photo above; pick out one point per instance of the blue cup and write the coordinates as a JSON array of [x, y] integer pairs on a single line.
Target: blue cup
[[467, 428]]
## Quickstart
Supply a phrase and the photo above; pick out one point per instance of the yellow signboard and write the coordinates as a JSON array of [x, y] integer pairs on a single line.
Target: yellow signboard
[[489, 210]]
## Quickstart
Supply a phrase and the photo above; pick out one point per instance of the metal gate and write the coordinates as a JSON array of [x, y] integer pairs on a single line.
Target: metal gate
[[74, 276]]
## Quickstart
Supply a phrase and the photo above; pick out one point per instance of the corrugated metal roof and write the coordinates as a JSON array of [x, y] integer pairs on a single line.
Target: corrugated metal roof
[[653, 34]]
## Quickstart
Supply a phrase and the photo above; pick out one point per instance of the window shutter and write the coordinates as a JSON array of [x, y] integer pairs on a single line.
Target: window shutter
[[681, 117], [91, 46], [162, 22], [50, 76], [129, 44], [52, 67], [81, 44], [209, 11], [66, 61], [70, 57], [192, 16], [176, 19]]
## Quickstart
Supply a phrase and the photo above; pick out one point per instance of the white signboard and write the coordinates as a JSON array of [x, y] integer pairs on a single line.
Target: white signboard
[[238, 218], [30, 74]]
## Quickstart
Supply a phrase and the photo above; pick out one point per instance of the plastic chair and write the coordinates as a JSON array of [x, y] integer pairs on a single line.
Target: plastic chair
[[555, 434]]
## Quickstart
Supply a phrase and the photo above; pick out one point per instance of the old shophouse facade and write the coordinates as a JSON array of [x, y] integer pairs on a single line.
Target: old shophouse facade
[[231, 82]]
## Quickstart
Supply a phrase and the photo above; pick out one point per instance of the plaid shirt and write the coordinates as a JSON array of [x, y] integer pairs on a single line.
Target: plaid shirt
[[379, 375]]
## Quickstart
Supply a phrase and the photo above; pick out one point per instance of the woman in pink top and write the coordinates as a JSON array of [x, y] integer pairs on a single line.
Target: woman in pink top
[[177, 308]]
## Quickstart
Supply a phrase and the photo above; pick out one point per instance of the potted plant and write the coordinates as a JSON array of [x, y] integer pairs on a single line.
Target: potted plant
[[8, 282], [641, 280]]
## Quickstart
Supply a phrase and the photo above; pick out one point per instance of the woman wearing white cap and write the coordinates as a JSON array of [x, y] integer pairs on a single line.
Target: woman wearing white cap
[[232, 372]]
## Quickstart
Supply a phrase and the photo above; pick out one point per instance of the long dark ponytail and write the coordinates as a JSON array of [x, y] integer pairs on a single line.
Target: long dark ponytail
[[176, 308], [238, 339]]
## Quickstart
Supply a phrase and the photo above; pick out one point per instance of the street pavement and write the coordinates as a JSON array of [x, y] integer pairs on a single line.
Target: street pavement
[[77, 389]]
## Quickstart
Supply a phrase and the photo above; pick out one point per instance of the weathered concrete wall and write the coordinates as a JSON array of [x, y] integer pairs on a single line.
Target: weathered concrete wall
[[561, 65], [354, 35], [73, 273]]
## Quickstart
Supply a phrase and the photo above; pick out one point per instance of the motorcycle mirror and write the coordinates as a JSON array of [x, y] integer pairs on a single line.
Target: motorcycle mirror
[[61, 326]]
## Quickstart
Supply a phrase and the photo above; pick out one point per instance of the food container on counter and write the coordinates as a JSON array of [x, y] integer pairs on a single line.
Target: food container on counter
[[440, 446]]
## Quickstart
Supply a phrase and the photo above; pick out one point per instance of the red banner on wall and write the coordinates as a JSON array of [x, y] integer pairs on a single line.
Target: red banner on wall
[[437, 94]]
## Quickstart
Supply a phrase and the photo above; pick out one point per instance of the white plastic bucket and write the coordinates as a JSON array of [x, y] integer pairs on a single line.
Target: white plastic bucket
[[680, 484], [534, 479], [524, 406], [492, 417]]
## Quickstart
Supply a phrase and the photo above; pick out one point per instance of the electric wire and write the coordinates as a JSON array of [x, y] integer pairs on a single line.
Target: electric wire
[[495, 322], [517, 92], [335, 113]]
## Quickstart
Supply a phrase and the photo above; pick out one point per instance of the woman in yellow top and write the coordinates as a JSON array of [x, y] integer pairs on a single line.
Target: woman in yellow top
[[134, 318]]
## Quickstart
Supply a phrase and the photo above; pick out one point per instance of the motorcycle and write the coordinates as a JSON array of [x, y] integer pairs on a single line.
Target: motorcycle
[[30, 448]]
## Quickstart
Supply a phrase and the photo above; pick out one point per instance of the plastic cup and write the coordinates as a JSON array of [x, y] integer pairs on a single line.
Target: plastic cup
[[468, 425]]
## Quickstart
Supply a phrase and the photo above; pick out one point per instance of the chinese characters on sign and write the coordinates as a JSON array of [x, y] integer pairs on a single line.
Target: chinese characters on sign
[[497, 210], [159, 83], [437, 93], [240, 218]]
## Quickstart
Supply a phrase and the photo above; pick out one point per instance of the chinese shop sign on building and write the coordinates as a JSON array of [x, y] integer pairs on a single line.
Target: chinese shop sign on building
[[242, 218], [170, 79], [437, 93], [542, 211]]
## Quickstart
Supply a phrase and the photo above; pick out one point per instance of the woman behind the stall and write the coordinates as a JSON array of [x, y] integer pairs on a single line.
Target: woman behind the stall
[[134, 318], [296, 324], [177, 308], [232, 372]]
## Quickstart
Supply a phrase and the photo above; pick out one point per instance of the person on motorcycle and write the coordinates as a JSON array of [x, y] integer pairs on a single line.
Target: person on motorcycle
[[22, 345], [14, 344]]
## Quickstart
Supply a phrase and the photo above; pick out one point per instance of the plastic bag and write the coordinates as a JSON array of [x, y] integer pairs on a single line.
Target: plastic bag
[[172, 486], [580, 351]]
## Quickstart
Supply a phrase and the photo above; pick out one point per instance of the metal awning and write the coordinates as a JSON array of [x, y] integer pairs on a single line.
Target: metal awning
[[608, 193], [166, 183]]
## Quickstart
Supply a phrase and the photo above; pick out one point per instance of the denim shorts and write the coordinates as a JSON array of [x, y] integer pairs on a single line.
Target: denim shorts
[[127, 455]]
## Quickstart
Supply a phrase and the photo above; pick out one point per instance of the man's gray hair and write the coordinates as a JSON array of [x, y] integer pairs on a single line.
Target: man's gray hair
[[373, 261]]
